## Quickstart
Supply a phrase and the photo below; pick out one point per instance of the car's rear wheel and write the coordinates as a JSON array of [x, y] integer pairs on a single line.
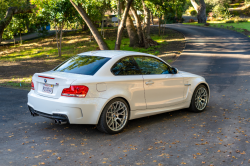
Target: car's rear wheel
[[114, 117], [199, 99]]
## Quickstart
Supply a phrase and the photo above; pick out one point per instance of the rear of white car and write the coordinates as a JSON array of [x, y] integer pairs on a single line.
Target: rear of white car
[[54, 95]]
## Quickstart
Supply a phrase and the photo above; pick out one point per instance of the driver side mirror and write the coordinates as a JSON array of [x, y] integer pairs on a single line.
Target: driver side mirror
[[175, 70]]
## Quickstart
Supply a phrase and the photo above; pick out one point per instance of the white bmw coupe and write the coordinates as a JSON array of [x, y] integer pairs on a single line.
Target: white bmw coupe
[[108, 88]]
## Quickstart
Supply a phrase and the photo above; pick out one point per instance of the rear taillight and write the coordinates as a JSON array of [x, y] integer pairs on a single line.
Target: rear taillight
[[32, 85], [75, 91]]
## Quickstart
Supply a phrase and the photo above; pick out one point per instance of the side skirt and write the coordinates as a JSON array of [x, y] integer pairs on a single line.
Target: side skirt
[[148, 112]]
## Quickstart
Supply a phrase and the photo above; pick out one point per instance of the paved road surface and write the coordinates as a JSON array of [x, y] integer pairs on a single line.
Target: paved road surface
[[218, 136]]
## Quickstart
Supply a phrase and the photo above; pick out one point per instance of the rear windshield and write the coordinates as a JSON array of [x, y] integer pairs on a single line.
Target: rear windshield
[[82, 64]]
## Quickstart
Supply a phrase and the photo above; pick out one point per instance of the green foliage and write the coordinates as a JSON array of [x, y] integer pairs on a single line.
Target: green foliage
[[229, 21], [242, 25], [219, 8], [57, 11], [19, 22], [236, 20], [96, 8], [172, 10], [5, 4], [191, 11]]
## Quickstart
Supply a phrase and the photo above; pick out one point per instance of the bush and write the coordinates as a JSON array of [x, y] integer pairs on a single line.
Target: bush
[[193, 13], [229, 21], [218, 19], [243, 20], [236, 19], [221, 10]]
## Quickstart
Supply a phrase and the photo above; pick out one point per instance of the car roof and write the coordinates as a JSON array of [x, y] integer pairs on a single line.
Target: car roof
[[111, 53]]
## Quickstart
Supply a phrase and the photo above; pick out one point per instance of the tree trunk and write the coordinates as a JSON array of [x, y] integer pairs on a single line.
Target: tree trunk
[[21, 42], [152, 18], [9, 14], [101, 43], [57, 40], [138, 26], [118, 11], [133, 37], [159, 25], [146, 28], [201, 10], [122, 25], [60, 40]]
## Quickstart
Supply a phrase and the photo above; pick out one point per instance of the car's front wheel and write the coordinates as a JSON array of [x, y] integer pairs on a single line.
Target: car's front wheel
[[200, 99], [114, 117]]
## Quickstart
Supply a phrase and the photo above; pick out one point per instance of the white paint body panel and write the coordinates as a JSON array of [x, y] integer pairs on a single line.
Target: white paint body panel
[[167, 93]]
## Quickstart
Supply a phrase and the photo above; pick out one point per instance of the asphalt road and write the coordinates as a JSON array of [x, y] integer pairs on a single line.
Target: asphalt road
[[218, 136]]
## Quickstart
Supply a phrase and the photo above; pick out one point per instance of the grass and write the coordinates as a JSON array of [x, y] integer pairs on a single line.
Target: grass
[[242, 25]]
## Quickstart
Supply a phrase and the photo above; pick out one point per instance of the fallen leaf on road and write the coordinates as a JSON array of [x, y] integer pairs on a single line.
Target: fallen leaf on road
[[243, 152]]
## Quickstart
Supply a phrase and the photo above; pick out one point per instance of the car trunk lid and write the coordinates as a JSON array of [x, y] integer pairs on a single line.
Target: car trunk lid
[[50, 84]]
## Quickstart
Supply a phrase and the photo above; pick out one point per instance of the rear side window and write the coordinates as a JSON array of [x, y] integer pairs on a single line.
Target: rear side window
[[126, 66], [150, 65], [82, 64]]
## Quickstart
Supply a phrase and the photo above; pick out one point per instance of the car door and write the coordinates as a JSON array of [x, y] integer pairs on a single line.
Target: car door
[[162, 88], [129, 82]]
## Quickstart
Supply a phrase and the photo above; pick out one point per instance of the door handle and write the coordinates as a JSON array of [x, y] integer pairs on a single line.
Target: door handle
[[149, 83]]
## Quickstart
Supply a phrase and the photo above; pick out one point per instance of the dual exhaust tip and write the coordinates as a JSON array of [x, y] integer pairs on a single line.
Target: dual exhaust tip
[[60, 122], [57, 121]]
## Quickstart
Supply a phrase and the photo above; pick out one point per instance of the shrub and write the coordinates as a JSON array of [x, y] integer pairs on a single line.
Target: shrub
[[243, 20], [218, 19], [236, 20], [229, 21], [193, 13]]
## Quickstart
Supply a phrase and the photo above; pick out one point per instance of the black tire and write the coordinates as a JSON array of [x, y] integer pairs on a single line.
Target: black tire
[[109, 115], [201, 104]]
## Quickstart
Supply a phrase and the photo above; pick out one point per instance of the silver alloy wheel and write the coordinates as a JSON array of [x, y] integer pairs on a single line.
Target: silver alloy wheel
[[201, 98], [116, 116]]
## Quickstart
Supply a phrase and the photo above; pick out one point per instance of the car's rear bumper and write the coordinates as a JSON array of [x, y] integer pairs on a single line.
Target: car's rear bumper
[[54, 116], [70, 109]]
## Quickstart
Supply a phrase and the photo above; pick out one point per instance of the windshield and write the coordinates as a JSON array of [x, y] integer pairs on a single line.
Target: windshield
[[82, 64]]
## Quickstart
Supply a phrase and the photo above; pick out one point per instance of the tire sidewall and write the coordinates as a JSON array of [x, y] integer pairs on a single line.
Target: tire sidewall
[[102, 125], [192, 104]]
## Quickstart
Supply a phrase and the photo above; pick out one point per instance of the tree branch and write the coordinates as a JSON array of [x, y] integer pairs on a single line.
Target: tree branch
[[195, 5], [9, 14], [101, 43]]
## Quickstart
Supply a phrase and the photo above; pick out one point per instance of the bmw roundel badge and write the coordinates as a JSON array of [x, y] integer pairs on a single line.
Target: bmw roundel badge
[[45, 80]]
